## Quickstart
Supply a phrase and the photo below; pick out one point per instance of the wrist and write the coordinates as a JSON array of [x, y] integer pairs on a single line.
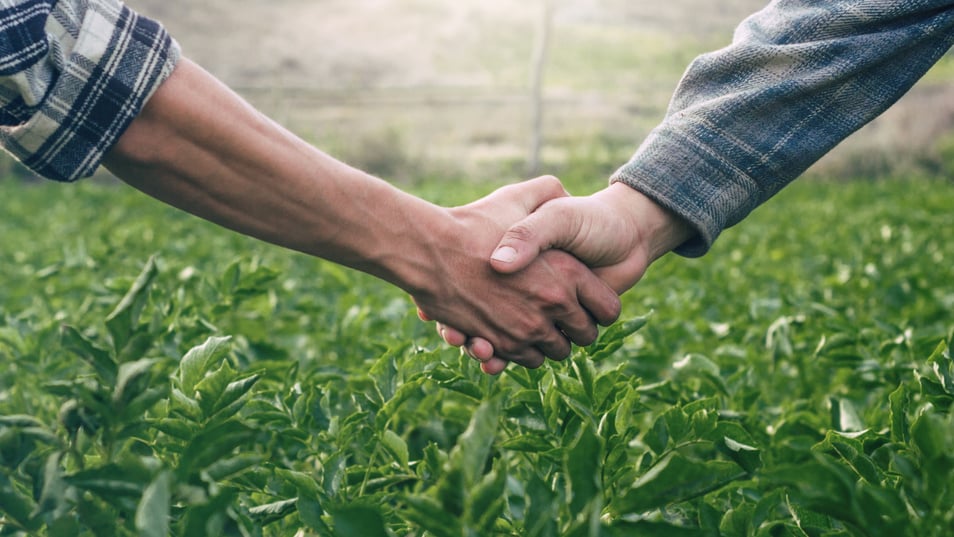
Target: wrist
[[657, 230], [401, 242]]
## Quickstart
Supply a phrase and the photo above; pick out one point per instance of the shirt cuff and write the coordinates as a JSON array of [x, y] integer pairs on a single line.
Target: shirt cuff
[[683, 175], [119, 60]]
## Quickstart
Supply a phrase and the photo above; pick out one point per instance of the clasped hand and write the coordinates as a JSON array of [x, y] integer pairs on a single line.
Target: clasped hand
[[541, 298]]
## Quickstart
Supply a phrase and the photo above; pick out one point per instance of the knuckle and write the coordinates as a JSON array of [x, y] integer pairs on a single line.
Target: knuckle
[[553, 184], [564, 263], [522, 232], [551, 298], [509, 349]]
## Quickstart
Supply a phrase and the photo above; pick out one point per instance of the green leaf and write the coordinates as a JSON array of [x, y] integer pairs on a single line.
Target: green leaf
[[737, 522], [677, 424], [933, 436], [358, 521], [844, 415], [65, 526], [184, 404], [334, 473], [20, 421], [582, 466], [230, 467], [748, 457], [211, 445], [197, 362], [586, 373], [16, 505], [152, 515], [122, 321], [543, 511], [473, 447], [111, 482], [306, 484], [697, 365], [210, 388], [270, 512], [898, 401], [849, 448], [98, 358], [396, 446], [573, 390], [405, 392], [657, 438], [674, 479], [452, 491], [531, 443], [310, 512], [430, 515], [487, 501], [131, 380], [629, 403], [613, 337], [943, 367]]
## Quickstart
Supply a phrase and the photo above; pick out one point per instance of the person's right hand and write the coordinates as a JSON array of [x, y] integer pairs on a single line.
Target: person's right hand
[[618, 232], [524, 316]]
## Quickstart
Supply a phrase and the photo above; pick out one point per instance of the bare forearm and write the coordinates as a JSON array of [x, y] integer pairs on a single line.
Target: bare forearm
[[200, 147]]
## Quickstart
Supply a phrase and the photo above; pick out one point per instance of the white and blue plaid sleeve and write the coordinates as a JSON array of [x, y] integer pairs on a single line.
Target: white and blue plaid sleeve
[[799, 77], [73, 76]]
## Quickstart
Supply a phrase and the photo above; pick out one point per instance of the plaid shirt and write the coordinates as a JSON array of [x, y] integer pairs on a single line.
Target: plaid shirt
[[799, 77], [73, 75]]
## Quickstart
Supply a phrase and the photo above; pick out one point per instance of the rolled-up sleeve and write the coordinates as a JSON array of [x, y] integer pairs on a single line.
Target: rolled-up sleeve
[[799, 77], [73, 76]]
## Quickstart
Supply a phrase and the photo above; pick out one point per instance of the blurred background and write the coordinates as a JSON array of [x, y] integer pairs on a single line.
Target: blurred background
[[426, 89]]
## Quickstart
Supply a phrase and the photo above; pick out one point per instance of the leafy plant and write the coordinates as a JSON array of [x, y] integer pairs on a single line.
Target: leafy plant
[[794, 384]]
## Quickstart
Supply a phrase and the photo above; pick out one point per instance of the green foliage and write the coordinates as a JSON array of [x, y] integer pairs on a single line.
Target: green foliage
[[798, 381]]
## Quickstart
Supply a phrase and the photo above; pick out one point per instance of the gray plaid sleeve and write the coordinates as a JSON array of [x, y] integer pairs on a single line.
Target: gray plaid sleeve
[[73, 75], [799, 77]]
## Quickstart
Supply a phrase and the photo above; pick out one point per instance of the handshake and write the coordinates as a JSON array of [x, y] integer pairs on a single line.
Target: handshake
[[514, 277], [521, 274]]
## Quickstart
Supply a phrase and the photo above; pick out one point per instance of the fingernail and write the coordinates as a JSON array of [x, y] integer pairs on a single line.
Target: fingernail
[[504, 254]]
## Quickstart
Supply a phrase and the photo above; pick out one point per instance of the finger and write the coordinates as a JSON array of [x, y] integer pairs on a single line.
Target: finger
[[494, 366], [598, 298], [576, 310], [451, 335], [533, 193], [529, 357], [548, 227], [480, 349], [556, 345], [580, 329]]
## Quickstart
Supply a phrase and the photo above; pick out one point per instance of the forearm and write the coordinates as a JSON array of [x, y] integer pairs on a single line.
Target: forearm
[[199, 147], [748, 119]]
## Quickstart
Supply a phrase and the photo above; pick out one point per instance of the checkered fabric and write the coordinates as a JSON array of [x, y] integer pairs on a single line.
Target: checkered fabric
[[798, 78], [73, 75]]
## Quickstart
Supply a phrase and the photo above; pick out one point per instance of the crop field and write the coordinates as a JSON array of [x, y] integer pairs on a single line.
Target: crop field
[[161, 376]]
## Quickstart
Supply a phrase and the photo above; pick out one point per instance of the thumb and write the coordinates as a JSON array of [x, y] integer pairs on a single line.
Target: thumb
[[542, 230]]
